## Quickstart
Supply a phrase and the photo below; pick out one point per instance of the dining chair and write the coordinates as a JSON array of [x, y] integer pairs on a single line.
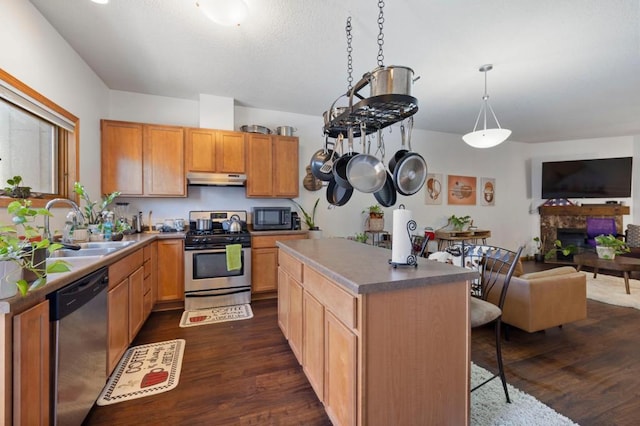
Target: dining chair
[[496, 266]]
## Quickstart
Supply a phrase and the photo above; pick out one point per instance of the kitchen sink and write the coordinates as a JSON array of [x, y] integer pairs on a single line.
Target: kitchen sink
[[84, 252], [105, 244]]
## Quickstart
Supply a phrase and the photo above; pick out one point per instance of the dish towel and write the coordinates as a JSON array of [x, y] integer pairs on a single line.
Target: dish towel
[[234, 261]]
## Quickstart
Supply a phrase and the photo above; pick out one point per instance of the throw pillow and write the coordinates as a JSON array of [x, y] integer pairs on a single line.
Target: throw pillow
[[633, 235]]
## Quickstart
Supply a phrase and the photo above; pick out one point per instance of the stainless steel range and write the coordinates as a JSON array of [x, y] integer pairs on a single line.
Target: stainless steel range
[[208, 280]]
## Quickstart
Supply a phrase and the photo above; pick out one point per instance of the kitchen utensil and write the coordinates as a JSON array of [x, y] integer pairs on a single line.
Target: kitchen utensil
[[390, 80], [179, 224], [203, 224], [254, 128], [410, 170], [169, 224], [322, 157], [338, 195], [340, 165], [235, 225], [285, 130], [310, 182], [387, 196], [365, 172], [401, 152]]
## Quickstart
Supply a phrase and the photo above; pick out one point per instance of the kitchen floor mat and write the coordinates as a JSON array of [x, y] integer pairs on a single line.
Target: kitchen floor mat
[[214, 315], [144, 370]]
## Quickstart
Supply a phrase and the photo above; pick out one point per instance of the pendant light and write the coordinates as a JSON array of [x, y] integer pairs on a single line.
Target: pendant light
[[486, 138]]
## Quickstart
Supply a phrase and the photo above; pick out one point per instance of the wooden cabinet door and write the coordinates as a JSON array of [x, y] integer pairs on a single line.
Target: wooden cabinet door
[[121, 157], [31, 377], [340, 372], [259, 166], [283, 302], [117, 323], [313, 343], [295, 318], [264, 269], [230, 150], [286, 169], [200, 150], [136, 302], [163, 151], [170, 271]]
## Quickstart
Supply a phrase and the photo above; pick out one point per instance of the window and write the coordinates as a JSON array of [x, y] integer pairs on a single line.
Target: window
[[38, 141]]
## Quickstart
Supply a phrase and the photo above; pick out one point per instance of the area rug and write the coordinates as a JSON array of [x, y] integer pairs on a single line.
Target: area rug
[[611, 290], [214, 315], [489, 406], [144, 370]]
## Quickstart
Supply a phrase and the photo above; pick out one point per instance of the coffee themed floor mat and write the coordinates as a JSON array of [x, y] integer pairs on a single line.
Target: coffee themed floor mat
[[144, 370], [215, 315]]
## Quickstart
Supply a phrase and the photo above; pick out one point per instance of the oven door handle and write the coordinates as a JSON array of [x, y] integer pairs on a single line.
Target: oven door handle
[[215, 292]]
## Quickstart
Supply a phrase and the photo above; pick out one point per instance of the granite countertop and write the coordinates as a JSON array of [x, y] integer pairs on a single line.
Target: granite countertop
[[362, 268], [79, 268]]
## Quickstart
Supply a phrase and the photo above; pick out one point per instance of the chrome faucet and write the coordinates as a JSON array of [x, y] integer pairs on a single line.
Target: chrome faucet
[[73, 219]]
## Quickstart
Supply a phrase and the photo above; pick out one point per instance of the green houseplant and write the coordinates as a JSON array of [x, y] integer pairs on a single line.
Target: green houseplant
[[375, 211], [22, 243], [460, 223], [539, 255], [94, 212], [607, 246], [15, 190], [309, 219], [559, 248]]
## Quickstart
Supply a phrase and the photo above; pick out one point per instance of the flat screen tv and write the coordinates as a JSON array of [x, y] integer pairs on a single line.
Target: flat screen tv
[[599, 178]]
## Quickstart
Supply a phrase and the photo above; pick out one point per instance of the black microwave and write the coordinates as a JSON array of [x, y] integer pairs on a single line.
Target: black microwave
[[271, 218]]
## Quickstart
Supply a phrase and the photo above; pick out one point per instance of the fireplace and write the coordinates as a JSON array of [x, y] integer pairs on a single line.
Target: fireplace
[[568, 236]]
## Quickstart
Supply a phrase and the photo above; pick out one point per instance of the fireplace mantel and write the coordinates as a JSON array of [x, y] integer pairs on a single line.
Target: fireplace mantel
[[575, 217]]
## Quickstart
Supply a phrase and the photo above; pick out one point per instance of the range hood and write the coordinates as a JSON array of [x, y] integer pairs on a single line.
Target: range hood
[[216, 179]]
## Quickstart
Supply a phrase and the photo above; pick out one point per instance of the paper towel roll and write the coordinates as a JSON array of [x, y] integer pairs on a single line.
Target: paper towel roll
[[401, 242]]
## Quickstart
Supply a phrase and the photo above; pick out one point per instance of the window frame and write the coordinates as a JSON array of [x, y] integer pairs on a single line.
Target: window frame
[[68, 146]]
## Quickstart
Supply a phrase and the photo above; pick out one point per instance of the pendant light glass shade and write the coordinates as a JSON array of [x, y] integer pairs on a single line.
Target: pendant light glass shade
[[224, 12], [486, 138]]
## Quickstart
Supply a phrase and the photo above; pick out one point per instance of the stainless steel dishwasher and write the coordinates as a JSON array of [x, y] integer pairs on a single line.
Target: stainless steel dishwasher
[[78, 314]]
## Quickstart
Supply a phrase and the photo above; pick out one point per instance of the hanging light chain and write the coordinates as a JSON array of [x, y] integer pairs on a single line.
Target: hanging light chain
[[380, 34], [349, 58]]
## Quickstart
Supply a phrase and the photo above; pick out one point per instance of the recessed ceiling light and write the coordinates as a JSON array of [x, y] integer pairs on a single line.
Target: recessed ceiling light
[[224, 12]]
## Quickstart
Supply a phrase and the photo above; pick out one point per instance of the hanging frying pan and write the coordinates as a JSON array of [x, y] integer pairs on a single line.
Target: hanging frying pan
[[410, 171], [401, 152], [322, 161], [366, 172], [387, 195], [340, 165], [338, 195]]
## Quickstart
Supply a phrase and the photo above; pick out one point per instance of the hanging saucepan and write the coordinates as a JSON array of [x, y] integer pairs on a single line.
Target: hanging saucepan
[[366, 172], [387, 195], [338, 195], [323, 157], [410, 172], [340, 165], [391, 80]]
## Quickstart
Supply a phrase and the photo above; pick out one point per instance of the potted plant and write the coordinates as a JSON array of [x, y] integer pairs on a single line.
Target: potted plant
[[95, 213], [539, 255], [375, 221], [22, 244], [15, 190], [460, 223], [565, 251], [361, 237], [607, 246], [310, 219]]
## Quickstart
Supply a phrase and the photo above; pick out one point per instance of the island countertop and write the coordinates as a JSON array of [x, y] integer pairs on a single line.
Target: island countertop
[[362, 268]]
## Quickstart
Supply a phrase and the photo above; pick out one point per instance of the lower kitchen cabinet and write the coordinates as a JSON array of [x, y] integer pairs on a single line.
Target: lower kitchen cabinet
[[31, 369], [264, 262], [340, 371], [125, 305], [150, 255], [313, 338], [170, 274]]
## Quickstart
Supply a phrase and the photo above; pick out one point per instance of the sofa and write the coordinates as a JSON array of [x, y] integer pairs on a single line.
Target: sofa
[[545, 299]]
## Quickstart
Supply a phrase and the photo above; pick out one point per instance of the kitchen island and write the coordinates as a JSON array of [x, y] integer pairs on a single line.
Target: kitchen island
[[379, 345]]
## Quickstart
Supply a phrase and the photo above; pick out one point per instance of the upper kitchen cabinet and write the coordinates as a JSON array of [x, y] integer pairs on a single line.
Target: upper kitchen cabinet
[[272, 166], [143, 159], [215, 151]]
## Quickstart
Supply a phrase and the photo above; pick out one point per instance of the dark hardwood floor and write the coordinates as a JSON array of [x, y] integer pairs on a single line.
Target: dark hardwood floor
[[243, 372]]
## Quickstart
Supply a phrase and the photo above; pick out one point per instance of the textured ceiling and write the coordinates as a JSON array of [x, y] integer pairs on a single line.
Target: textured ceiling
[[562, 69]]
